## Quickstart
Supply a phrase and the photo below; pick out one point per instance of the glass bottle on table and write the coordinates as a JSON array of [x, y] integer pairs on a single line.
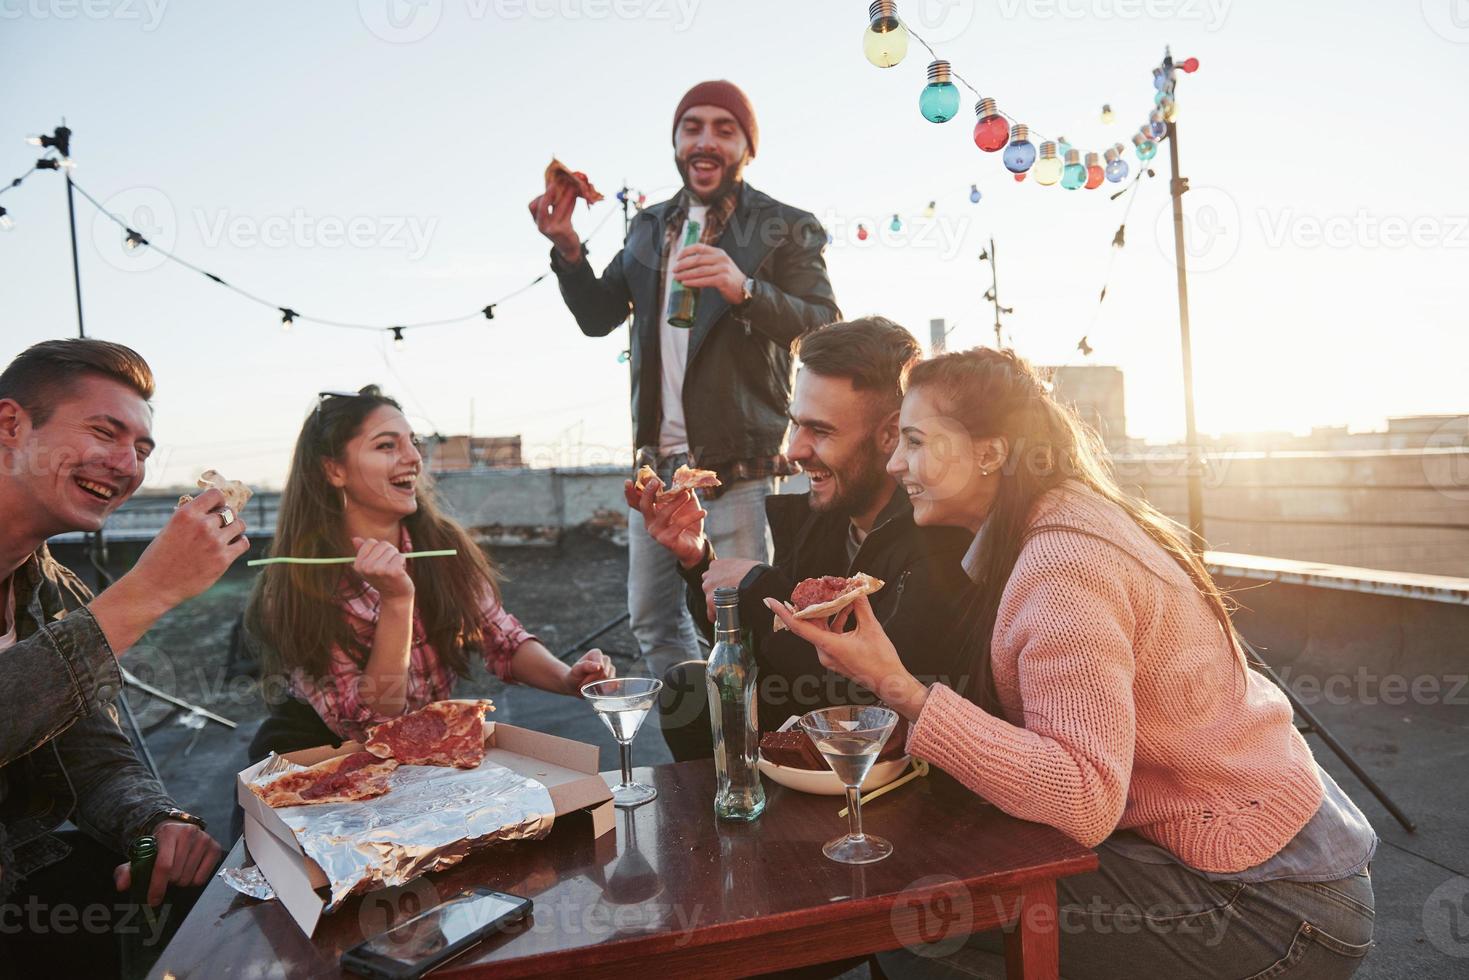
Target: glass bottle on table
[[732, 711], [681, 299]]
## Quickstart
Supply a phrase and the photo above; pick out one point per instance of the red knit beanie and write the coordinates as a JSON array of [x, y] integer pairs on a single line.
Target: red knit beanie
[[727, 96]]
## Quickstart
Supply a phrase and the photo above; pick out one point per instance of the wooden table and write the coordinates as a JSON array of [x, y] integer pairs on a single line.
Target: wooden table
[[675, 893]]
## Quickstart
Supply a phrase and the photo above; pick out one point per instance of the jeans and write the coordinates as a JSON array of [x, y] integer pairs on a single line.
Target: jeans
[[655, 591], [1130, 919]]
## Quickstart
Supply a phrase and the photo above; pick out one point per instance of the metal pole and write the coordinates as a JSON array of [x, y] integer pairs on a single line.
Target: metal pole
[[1195, 457], [76, 269]]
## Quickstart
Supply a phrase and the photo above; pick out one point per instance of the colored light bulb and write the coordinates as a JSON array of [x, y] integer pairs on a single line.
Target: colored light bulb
[[928, 212], [1073, 175], [991, 133], [1019, 178], [974, 194], [1159, 96], [1145, 147], [861, 233], [1048, 166], [939, 100], [1094, 172], [896, 224], [1160, 78], [1157, 128], [1116, 166], [1190, 65], [1020, 154], [1170, 109], [885, 42], [1108, 116]]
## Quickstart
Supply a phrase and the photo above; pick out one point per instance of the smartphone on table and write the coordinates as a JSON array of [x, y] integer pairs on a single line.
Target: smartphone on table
[[417, 945]]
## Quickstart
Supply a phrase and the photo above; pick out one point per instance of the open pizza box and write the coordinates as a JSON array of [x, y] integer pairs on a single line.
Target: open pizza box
[[567, 768]]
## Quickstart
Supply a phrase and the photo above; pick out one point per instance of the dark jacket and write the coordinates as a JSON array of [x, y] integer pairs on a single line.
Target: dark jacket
[[737, 386], [63, 754], [919, 604]]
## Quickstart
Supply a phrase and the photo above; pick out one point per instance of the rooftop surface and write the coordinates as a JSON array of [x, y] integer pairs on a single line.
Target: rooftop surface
[[1419, 754]]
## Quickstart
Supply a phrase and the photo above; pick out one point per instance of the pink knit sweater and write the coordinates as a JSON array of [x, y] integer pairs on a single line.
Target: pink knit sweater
[[1124, 705]]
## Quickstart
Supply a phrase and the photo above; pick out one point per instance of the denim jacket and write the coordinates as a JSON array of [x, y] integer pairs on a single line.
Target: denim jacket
[[63, 754]]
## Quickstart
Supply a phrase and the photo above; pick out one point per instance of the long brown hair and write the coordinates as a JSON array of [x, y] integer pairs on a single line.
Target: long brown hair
[[996, 393], [294, 608]]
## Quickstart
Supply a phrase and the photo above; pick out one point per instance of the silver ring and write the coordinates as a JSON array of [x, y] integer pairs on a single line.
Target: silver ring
[[226, 517]]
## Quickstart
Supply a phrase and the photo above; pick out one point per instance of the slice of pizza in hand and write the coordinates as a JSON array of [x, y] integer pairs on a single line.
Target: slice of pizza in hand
[[344, 779], [644, 474], [821, 598], [688, 478], [236, 494], [445, 733], [558, 173]]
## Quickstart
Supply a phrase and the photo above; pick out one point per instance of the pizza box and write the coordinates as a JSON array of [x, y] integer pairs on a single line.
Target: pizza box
[[567, 768]]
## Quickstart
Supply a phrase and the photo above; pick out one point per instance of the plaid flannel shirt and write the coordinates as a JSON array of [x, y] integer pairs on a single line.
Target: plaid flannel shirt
[[338, 697]]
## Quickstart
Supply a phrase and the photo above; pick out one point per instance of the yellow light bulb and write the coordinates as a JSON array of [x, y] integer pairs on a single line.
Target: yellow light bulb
[[1048, 166], [885, 43]]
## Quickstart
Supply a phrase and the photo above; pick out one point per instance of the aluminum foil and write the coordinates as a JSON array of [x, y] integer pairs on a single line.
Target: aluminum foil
[[431, 818], [249, 880]]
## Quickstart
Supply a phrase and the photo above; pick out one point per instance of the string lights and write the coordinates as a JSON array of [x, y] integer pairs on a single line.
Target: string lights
[[885, 43]]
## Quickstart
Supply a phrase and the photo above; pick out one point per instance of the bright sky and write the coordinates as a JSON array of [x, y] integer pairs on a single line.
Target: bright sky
[[372, 161]]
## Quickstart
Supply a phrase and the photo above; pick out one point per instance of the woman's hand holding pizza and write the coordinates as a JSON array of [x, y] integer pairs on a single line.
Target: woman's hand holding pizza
[[865, 654], [383, 567]]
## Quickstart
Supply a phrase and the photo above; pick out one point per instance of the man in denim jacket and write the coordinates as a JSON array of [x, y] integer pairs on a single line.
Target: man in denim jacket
[[74, 440]]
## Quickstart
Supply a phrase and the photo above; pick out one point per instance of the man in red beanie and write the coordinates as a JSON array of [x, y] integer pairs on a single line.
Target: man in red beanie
[[712, 388]]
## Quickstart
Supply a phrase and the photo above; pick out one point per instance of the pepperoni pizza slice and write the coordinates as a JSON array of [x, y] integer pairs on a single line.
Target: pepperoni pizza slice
[[344, 779], [445, 733], [819, 598], [558, 173]]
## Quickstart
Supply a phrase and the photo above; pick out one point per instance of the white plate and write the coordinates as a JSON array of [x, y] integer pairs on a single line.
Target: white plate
[[824, 782]]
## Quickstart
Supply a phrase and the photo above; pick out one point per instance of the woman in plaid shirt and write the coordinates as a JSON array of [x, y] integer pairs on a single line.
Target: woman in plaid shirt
[[358, 647]]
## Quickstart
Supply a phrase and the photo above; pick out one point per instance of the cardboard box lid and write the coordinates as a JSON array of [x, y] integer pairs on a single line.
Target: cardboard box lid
[[567, 768]]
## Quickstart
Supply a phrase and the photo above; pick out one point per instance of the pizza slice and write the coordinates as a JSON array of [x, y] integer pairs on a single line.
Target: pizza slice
[[644, 474], [344, 779], [236, 494], [445, 733], [689, 478], [558, 173], [819, 598]]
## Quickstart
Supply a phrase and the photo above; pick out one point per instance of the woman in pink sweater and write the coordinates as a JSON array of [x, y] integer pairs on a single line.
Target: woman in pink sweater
[[1098, 687]]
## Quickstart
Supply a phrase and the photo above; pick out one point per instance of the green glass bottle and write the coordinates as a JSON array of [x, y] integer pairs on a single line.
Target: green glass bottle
[[733, 714], [681, 299], [142, 920]]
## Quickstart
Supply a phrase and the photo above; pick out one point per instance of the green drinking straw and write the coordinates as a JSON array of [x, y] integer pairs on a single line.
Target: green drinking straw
[[342, 561]]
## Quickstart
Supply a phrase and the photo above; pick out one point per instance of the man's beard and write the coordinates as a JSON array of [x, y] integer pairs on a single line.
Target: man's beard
[[733, 174], [858, 484]]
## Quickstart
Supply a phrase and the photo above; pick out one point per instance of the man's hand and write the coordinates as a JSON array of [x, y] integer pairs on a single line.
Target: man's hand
[[594, 665], [699, 266], [191, 553], [186, 856], [383, 567], [552, 214], [677, 523], [724, 572]]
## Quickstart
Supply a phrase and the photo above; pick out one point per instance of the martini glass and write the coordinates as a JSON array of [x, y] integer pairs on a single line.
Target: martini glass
[[622, 704], [849, 737]]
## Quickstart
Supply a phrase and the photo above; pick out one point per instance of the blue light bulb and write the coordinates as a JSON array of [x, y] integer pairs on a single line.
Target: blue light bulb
[[1116, 166], [1074, 175], [1019, 154], [974, 194], [939, 100], [896, 224]]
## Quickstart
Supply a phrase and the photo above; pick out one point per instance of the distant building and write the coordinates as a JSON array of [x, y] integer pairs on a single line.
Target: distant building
[[454, 454], [1097, 394]]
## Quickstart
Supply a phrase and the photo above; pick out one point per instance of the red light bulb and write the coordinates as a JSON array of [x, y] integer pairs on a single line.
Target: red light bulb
[[1190, 65], [1094, 172], [861, 233], [992, 132], [1019, 177]]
